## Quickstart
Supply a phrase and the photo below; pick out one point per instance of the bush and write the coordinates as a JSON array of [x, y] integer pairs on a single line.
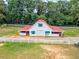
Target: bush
[[4, 25]]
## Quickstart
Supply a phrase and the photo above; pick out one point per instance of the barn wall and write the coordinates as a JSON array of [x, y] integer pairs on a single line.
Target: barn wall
[[40, 31], [22, 33]]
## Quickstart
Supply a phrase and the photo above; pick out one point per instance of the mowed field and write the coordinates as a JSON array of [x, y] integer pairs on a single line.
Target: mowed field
[[10, 30], [73, 32], [21, 50]]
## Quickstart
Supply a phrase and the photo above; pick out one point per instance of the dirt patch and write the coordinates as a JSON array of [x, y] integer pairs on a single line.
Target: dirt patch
[[55, 52], [2, 43]]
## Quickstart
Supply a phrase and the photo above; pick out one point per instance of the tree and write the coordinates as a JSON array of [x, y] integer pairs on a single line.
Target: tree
[[41, 7], [15, 11], [75, 11], [42, 17], [21, 10], [52, 12], [2, 16], [62, 12]]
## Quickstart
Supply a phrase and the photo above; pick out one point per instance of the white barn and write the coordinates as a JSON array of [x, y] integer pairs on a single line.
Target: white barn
[[41, 28]]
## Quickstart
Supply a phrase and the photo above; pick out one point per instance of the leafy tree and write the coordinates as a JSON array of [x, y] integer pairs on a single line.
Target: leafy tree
[[41, 7], [20, 11], [62, 12], [75, 11], [2, 16], [41, 17], [52, 12]]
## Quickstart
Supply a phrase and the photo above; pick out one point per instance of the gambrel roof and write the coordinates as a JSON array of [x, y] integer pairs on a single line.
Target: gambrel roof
[[55, 28]]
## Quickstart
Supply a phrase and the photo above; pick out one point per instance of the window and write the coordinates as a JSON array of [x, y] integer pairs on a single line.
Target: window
[[47, 32], [33, 32], [55, 32], [40, 25], [23, 31]]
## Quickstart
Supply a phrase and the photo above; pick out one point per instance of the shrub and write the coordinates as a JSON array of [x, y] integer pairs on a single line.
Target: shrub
[[4, 25]]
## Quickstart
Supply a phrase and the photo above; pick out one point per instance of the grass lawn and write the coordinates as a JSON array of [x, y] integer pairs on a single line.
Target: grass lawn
[[71, 32], [8, 30], [21, 51]]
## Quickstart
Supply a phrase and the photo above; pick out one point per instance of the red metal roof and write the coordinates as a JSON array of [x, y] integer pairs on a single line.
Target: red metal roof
[[55, 28], [25, 28], [40, 20]]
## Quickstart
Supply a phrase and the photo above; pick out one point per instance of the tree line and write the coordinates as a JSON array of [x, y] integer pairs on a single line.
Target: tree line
[[61, 13]]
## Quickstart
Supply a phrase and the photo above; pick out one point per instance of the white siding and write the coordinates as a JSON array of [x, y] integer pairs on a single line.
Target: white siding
[[22, 34], [40, 31], [54, 35]]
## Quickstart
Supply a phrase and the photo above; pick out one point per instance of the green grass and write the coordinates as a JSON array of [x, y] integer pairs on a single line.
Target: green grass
[[8, 30], [19, 50], [22, 50], [71, 32]]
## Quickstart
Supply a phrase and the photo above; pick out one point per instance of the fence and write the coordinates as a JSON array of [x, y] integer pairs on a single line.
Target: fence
[[38, 41]]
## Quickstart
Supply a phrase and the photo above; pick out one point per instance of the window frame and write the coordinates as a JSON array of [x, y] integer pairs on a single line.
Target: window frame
[[22, 31], [47, 32], [32, 32], [55, 32], [40, 24]]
